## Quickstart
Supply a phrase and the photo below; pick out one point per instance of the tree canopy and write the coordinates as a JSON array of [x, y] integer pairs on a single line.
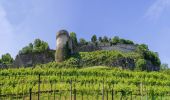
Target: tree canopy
[[74, 37], [82, 41], [6, 59], [37, 47], [94, 39], [148, 55]]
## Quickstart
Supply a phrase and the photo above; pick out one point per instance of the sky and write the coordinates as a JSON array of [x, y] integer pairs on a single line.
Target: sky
[[143, 21]]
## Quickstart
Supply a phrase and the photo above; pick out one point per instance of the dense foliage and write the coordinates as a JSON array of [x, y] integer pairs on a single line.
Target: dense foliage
[[6, 59], [117, 40], [37, 47], [74, 37], [104, 40], [94, 39], [148, 55], [141, 64], [84, 59], [82, 41]]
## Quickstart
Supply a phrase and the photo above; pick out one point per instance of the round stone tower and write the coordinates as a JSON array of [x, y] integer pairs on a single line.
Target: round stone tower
[[64, 46]]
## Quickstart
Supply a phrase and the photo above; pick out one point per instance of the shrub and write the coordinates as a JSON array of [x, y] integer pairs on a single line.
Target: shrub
[[141, 64], [123, 41]]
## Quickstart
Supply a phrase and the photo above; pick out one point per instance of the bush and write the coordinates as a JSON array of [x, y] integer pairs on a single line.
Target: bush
[[123, 41], [117, 40], [141, 64], [142, 48]]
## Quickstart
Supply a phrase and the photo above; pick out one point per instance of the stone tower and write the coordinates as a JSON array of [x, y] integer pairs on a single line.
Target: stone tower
[[64, 46]]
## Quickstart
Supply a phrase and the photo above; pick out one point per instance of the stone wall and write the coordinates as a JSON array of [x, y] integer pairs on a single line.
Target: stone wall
[[3, 66], [33, 58], [119, 47]]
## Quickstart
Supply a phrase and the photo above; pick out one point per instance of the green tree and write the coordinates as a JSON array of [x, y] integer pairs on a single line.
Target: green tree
[[82, 41], [40, 46], [129, 42], [94, 39], [153, 57], [148, 55], [105, 39], [27, 49], [100, 39], [74, 37], [0, 61], [115, 40], [141, 64], [6, 59], [164, 66]]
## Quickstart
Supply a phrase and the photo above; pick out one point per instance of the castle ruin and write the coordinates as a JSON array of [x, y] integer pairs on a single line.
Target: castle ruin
[[64, 46]]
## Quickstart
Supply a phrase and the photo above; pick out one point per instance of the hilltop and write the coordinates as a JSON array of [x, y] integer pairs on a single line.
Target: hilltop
[[112, 52]]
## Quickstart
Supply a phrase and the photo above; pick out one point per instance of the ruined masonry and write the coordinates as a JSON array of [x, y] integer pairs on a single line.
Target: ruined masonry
[[64, 46]]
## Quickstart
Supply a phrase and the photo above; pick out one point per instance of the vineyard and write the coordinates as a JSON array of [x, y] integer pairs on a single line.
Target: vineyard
[[92, 83]]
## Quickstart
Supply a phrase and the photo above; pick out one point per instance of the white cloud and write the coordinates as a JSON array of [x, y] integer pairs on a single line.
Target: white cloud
[[156, 9]]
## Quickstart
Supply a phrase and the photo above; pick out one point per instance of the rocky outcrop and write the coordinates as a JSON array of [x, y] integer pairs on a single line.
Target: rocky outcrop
[[125, 63], [33, 58], [151, 67]]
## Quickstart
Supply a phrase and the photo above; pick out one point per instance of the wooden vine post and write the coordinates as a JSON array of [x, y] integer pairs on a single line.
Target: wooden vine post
[[103, 91], [39, 86], [71, 90], [30, 93]]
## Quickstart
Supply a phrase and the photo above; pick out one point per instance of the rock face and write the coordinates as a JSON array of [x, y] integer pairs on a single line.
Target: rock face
[[33, 58], [64, 46], [125, 63]]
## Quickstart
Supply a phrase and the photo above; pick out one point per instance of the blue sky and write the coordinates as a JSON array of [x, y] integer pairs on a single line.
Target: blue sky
[[143, 21]]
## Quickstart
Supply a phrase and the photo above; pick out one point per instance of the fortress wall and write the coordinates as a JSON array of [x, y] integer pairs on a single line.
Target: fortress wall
[[119, 47]]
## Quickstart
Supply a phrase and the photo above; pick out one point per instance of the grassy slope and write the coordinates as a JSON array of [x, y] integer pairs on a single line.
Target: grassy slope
[[96, 58]]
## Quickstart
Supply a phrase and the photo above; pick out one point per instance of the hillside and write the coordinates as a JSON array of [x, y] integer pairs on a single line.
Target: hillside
[[112, 52], [90, 82]]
